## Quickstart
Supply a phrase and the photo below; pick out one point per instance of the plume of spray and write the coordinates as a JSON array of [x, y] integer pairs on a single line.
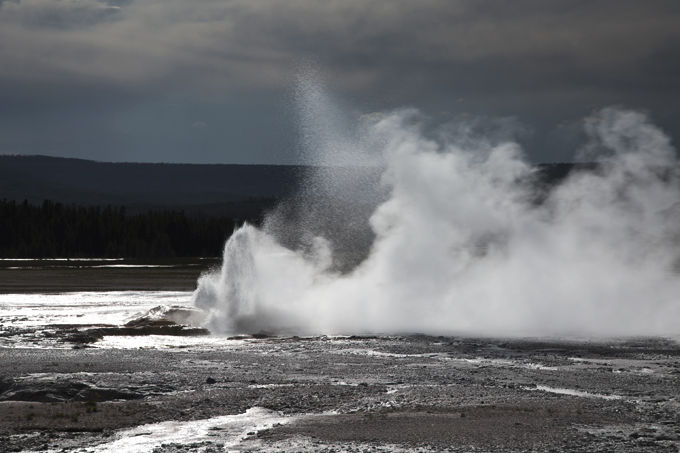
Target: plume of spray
[[460, 240]]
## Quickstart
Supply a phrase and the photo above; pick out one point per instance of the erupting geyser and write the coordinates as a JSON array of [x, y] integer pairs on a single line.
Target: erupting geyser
[[462, 242]]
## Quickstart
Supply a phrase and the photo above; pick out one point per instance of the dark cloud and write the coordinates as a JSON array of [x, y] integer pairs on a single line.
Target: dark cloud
[[546, 62], [62, 14]]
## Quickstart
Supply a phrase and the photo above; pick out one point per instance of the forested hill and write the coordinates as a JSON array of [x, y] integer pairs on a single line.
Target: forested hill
[[201, 191], [239, 191], [52, 207]]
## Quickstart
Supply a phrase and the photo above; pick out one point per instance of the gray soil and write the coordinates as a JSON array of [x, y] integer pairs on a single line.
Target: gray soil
[[385, 393]]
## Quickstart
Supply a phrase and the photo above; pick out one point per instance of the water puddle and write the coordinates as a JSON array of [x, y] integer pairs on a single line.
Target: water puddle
[[442, 356], [572, 392], [165, 342], [222, 432], [84, 308]]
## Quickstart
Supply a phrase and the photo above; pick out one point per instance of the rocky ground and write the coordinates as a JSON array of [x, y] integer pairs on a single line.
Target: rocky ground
[[333, 394], [61, 392]]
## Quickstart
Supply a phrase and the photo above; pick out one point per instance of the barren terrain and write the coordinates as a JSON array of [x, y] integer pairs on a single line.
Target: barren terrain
[[358, 393], [318, 393]]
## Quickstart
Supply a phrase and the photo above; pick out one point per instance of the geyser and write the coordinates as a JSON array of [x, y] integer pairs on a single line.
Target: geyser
[[462, 242]]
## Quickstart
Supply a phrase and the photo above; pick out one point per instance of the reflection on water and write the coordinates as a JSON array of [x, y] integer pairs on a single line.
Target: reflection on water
[[226, 431], [40, 299], [85, 308], [46, 263], [40, 320]]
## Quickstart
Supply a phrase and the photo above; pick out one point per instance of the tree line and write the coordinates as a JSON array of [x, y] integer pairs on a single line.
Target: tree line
[[55, 230]]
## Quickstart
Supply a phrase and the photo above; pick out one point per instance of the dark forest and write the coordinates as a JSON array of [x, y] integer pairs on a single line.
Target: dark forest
[[54, 230]]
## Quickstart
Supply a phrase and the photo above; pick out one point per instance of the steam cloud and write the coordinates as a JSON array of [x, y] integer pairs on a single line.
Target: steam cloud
[[463, 239]]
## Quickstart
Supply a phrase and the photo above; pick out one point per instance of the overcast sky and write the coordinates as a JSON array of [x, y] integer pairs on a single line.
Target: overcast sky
[[210, 81]]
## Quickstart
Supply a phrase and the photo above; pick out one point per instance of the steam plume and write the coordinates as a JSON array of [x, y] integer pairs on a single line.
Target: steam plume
[[460, 238]]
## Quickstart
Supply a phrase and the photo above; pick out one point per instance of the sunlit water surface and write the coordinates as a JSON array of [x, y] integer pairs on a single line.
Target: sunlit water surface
[[27, 320]]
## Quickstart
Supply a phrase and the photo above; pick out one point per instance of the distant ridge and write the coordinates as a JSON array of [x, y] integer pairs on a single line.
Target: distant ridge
[[129, 177], [240, 191], [202, 190]]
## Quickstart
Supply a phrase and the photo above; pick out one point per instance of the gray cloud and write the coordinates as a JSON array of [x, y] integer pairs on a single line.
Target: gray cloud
[[254, 44], [63, 14], [552, 59]]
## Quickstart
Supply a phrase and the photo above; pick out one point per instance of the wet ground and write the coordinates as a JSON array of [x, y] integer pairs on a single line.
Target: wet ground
[[386, 393], [65, 275], [73, 378]]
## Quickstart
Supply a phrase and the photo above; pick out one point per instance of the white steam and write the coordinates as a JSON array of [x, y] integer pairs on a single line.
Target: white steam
[[462, 241]]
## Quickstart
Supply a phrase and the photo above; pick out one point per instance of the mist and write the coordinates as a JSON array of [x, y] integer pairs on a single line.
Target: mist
[[404, 228]]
